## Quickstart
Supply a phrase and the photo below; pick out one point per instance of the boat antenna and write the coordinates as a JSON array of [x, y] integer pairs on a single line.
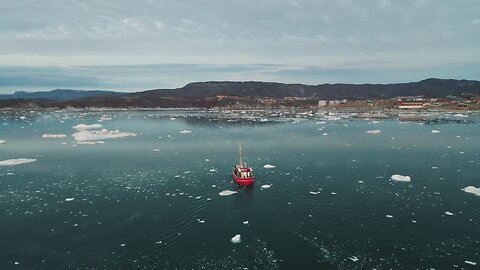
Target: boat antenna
[[240, 152]]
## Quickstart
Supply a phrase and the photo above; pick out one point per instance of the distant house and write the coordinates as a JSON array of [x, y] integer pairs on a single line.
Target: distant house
[[411, 104], [322, 103]]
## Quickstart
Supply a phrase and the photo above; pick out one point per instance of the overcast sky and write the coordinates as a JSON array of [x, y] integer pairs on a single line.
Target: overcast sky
[[144, 44]]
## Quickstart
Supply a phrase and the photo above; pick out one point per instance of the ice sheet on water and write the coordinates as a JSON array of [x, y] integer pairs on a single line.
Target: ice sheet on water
[[374, 132], [80, 127], [266, 186], [400, 178], [268, 166], [472, 189], [90, 142], [53, 136], [16, 161], [236, 239], [227, 192], [93, 135]]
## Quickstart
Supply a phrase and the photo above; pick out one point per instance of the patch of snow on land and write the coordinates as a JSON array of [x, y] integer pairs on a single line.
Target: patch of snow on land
[[53, 136], [17, 161], [81, 127], [472, 189], [374, 132], [435, 131], [227, 193], [236, 239], [265, 186], [400, 178], [268, 166], [87, 135]]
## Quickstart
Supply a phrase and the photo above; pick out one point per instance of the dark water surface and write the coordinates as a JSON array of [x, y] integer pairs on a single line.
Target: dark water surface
[[152, 201]]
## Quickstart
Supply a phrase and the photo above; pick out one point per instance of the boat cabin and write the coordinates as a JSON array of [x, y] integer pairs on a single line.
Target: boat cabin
[[242, 172]]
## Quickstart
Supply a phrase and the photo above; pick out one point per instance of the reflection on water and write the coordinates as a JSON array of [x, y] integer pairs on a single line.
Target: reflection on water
[[152, 201]]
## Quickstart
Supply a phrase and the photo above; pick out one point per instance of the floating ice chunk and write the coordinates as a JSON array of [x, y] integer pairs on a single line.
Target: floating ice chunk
[[122, 244], [185, 131], [389, 216], [80, 127], [245, 222], [268, 166], [53, 136], [90, 142], [69, 199], [361, 182], [313, 192], [400, 178], [435, 131], [470, 262], [3, 142], [17, 161], [266, 186], [236, 239], [374, 132], [201, 221], [472, 189], [325, 134], [156, 150], [353, 258], [448, 213], [333, 193], [460, 115], [87, 135], [213, 170], [227, 193]]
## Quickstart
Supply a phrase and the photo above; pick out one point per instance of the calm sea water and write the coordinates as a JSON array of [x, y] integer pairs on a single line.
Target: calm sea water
[[152, 201]]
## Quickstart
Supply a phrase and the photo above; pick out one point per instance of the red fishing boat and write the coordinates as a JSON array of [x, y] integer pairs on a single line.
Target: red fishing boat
[[242, 174]]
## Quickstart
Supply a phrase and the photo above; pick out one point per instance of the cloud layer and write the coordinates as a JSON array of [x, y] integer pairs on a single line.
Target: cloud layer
[[95, 44]]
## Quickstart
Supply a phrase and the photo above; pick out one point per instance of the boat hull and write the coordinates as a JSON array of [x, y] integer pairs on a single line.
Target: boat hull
[[243, 181]]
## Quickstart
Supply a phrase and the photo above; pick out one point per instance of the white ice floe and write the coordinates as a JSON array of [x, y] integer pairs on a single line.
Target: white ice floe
[[268, 166], [213, 170], [80, 127], [353, 258], [227, 193], [460, 115], [16, 161], [400, 178], [435, 131], [69, 199], [374, 132], [472, 189], [93, 135], [314, 192], [448, 213], [389, 216], [90, 142], [236, 239], [266, 186], [53, 136], [185, 131], [470, 262], [245, 222], [3, 142]]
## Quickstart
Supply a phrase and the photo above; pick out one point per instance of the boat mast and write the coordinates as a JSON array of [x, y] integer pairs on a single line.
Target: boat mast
[[240, 152]]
